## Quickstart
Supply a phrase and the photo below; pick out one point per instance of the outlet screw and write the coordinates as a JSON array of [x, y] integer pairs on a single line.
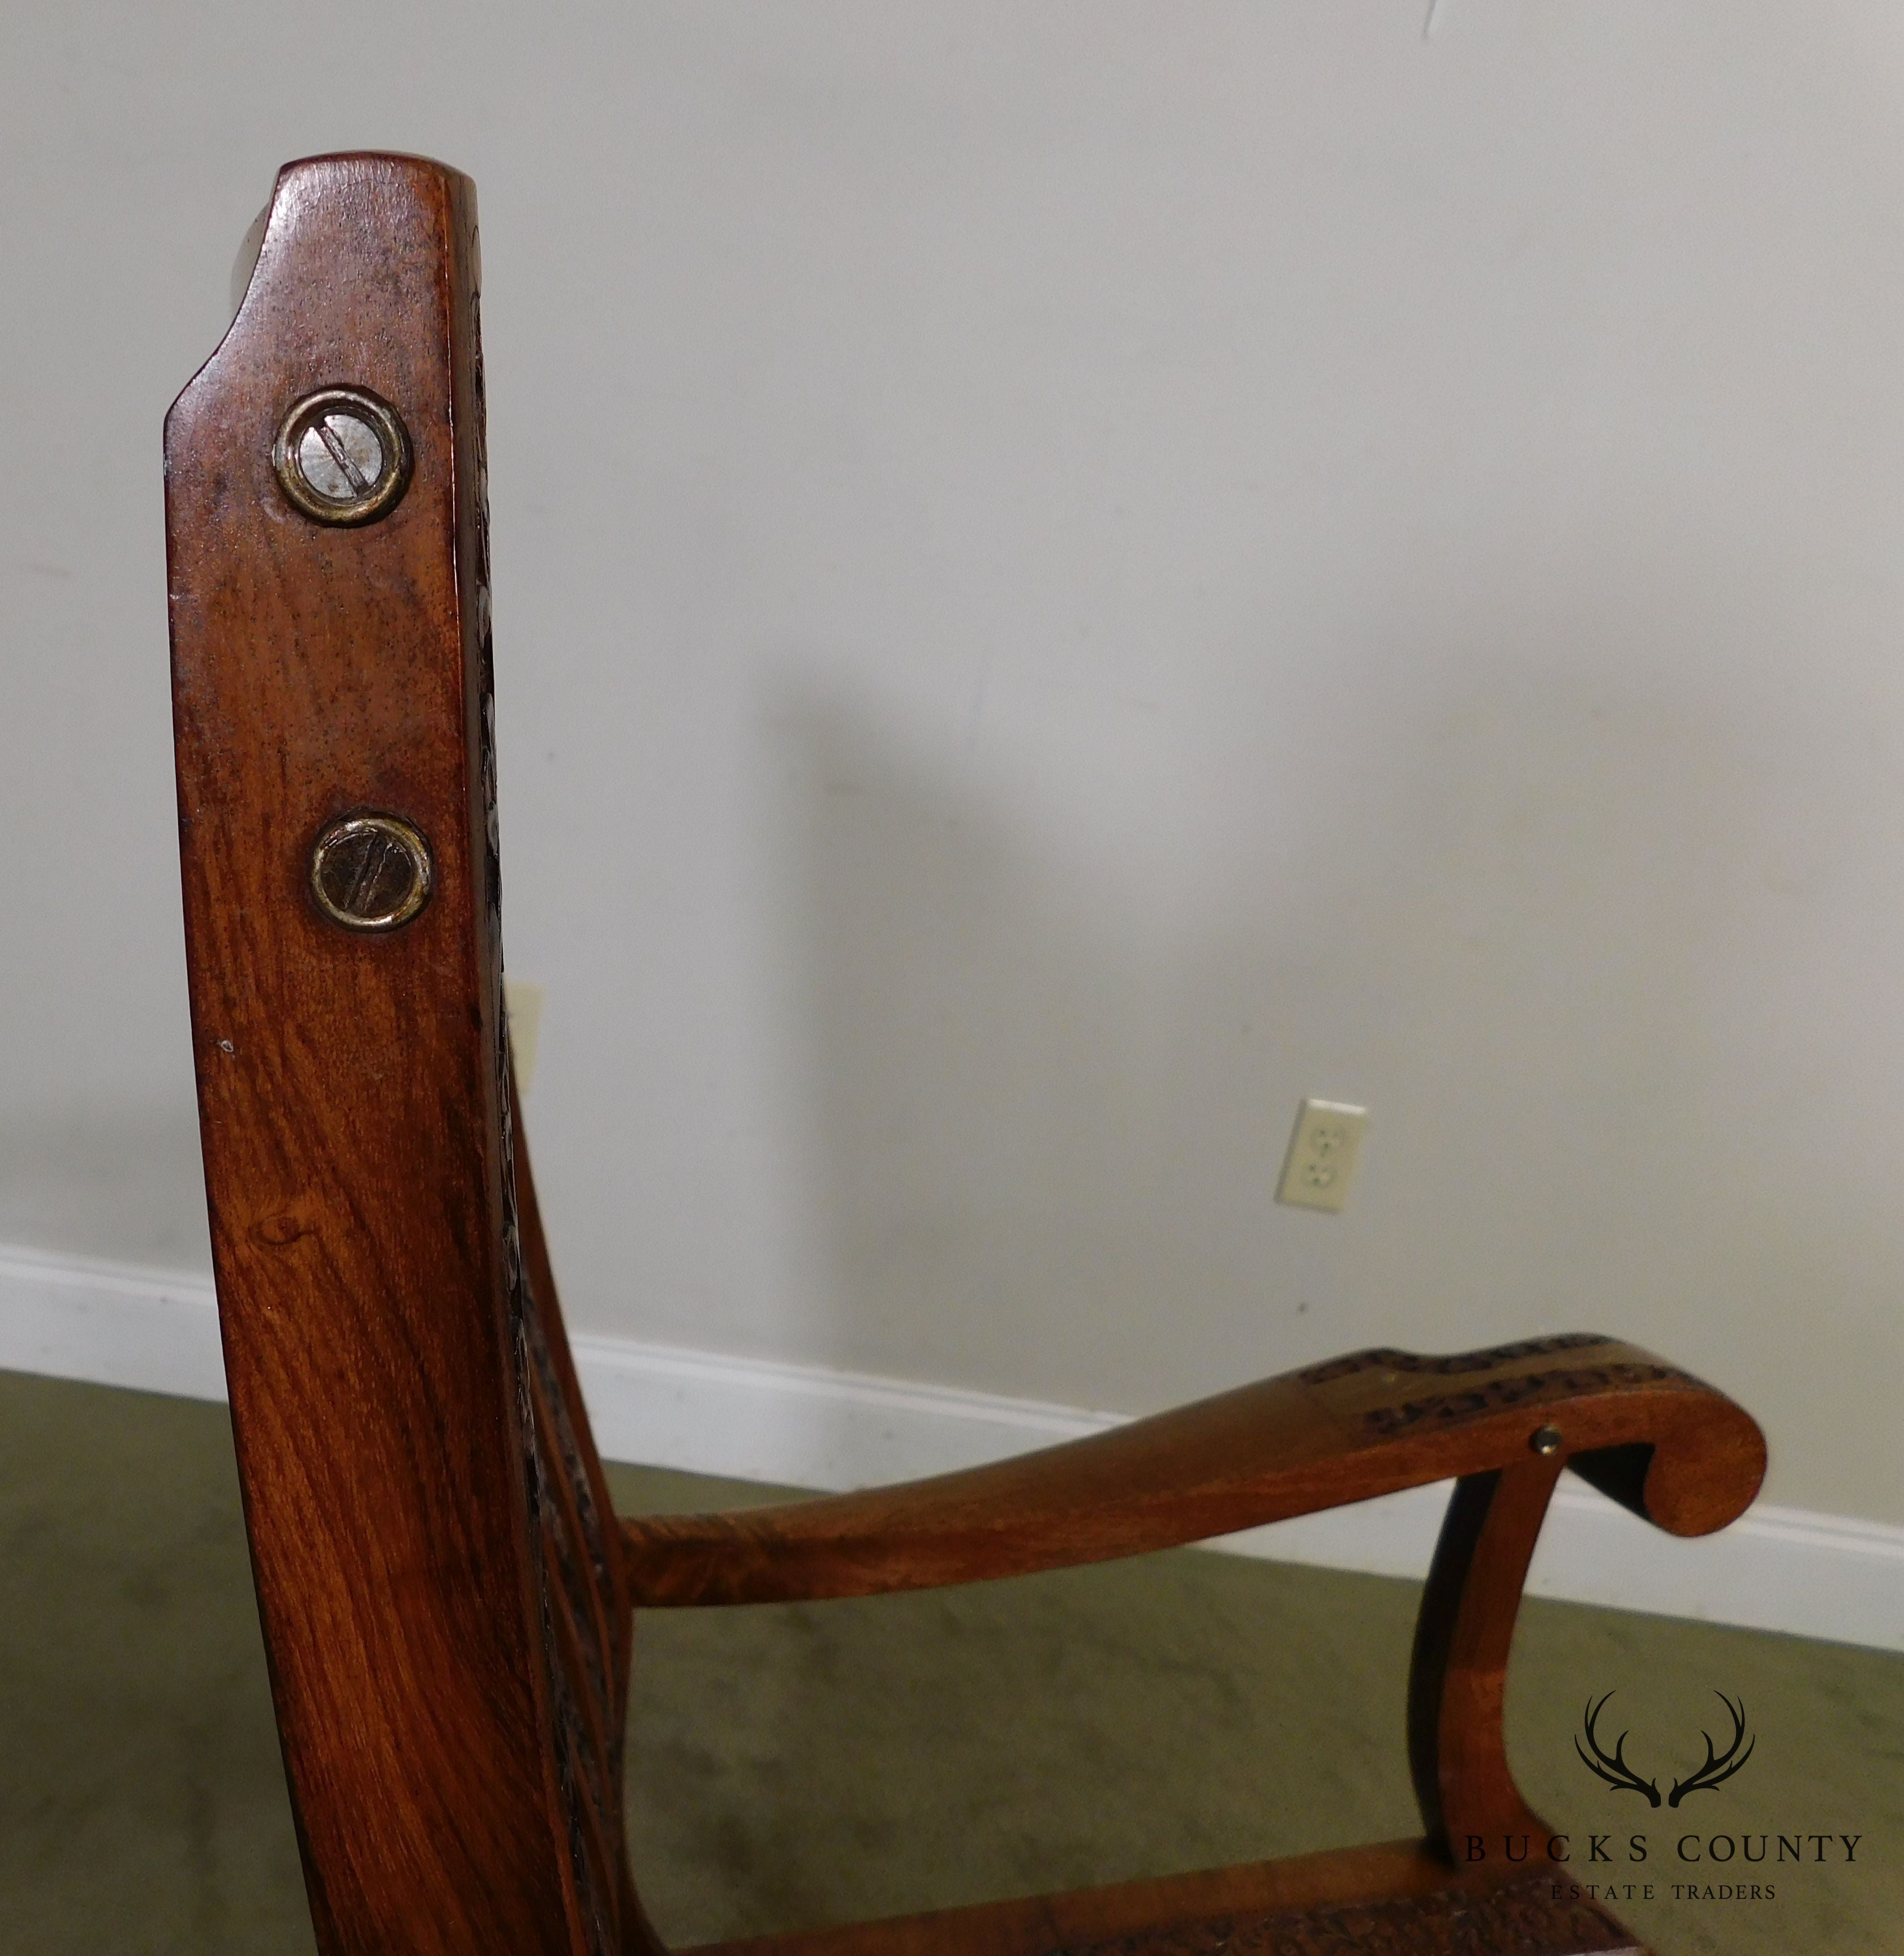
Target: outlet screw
[[1545, 1440], [342, 456], [370, 873]]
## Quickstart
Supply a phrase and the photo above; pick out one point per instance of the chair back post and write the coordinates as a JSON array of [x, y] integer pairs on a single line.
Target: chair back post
[[437, 1578]]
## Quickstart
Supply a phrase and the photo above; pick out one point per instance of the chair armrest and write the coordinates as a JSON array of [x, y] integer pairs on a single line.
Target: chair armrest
[[1652, 1436]]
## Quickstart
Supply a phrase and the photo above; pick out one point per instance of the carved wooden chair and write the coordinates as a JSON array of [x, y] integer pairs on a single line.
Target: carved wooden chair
[[445, 1592]]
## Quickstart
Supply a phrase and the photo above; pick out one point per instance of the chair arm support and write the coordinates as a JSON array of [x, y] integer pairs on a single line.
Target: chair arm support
[[1674, 1450]]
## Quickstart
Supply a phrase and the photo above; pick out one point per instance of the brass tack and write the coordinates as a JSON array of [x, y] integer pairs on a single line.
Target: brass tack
[[370, 873], [342, 456]]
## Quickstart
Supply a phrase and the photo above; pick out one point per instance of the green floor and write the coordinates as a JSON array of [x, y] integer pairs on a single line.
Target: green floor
[[804, 1765]]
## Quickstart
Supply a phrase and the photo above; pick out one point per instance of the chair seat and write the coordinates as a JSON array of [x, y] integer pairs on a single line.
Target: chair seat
[[1362, 1901]]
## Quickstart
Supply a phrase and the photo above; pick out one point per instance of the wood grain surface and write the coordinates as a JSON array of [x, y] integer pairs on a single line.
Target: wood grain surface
[[439, 1585], [1396, 1898], [1685, 1456]]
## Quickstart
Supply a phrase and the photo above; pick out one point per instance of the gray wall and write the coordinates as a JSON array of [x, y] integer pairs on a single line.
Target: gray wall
[[1066, 575]]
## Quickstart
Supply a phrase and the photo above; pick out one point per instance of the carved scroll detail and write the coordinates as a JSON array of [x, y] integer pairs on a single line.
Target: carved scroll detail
[[1521, 1920], [587, 1747], [1518, 1389], [1385, 1358]]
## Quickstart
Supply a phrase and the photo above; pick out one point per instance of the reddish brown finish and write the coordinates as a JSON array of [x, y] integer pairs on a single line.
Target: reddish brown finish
[[445, 1594], [1457, 1750], [1383, 1901], [1356, 1427], [447, 1643]]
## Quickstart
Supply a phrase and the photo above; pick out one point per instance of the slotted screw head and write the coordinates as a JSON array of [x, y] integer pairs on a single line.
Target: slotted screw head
[[370, 873], [342, 455]]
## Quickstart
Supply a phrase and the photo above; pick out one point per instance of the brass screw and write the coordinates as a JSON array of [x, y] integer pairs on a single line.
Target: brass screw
[[342, 456], [370, 873], [1545, 1440]]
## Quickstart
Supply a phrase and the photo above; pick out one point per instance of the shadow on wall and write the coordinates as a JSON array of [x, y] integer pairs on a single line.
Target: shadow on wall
[[1019, 1135], [1048, 1093]]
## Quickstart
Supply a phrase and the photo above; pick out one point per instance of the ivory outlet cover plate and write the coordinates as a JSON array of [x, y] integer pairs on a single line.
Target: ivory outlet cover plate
[[1320, 1164]]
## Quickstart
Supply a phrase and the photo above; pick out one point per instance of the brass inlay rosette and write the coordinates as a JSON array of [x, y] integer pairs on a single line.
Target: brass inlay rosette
[[342, 456], [370, 873]]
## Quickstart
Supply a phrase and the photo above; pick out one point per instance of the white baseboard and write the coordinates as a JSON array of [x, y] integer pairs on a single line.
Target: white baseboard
[[1778, 1569], [113, 1324]]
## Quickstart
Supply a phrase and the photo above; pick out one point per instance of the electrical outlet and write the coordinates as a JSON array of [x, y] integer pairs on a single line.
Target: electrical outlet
[[522, 1000], [1320, 1164]]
